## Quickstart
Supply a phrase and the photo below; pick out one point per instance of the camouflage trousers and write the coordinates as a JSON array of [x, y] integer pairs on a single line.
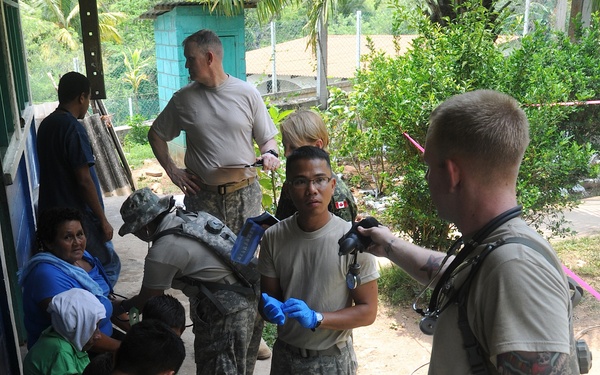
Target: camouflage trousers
[[226, 344], [232, 209], [289, 361]]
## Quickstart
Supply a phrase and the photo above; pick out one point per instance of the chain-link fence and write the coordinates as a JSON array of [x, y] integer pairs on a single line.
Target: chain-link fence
[[122, 109], [279, 58]]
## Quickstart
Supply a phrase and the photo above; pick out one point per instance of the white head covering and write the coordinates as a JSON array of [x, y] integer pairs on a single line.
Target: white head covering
[[75, 314]]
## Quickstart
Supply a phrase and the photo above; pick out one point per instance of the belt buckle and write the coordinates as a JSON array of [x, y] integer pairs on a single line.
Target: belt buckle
[[222, 189]]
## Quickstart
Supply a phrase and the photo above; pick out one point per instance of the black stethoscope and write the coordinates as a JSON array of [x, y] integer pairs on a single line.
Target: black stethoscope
[[433, 311]]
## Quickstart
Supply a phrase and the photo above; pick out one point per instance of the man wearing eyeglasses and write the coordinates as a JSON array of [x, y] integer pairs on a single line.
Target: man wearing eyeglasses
[[501, 305], [304, 279]]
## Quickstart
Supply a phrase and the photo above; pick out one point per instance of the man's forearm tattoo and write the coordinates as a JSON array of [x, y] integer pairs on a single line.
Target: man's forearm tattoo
[[432, 265], [388, 247], [541, 363]]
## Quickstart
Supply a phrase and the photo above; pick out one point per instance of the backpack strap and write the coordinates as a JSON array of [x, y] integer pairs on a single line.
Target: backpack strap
[[246, 288], [182, 214], [205, 288], [576, 289], [175, 230], [475, 352]]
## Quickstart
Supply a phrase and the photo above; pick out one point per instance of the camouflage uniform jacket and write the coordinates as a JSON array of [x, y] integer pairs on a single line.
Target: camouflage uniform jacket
[[342, 203]]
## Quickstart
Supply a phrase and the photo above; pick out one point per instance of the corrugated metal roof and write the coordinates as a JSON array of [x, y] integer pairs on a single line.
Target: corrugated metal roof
[[294, 59], [168, 5]]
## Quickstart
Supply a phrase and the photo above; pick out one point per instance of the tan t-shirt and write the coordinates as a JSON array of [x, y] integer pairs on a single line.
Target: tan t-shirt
[[174, 256], [309, 268], [518, 301], [221, 124]]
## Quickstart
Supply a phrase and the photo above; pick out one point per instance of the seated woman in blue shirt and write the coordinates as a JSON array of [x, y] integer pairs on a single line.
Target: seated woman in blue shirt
[[62, 263]]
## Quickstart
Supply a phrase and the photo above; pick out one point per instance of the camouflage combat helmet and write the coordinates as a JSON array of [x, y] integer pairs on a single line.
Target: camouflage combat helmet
[[141, 208]]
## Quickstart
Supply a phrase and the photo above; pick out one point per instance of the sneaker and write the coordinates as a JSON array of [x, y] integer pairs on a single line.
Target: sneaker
[[263, 350]]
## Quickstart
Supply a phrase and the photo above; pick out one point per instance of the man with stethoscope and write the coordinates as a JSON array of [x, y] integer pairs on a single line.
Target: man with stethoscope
[[500, 303]]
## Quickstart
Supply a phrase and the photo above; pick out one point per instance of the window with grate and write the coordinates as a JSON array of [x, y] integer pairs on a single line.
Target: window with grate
[[14, 92]]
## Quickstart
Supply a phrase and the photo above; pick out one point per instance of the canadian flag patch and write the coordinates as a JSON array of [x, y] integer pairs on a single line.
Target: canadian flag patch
[[341, 204]]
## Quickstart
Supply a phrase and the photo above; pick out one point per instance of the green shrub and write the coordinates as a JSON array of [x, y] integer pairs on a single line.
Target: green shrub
[[397, 94], [272, 181], [270, 334], [398, 288], [138, 132]]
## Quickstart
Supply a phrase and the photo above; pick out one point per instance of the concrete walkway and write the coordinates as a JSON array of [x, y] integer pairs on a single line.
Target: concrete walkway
[[585, 220]]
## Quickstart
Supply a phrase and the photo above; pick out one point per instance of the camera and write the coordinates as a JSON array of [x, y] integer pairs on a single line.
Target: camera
[[584, 357], [352, 241]]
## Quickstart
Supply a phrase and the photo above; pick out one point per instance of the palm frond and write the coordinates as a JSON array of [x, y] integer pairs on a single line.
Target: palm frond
[[66, 38]]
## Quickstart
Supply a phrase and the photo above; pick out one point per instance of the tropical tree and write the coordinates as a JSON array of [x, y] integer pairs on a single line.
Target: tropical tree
[[134, 73], [319, 11], [52, 33], [396, 95], [64, 16]]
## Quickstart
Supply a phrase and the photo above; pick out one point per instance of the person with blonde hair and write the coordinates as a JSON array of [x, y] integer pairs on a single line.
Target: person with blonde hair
[[306, 128]]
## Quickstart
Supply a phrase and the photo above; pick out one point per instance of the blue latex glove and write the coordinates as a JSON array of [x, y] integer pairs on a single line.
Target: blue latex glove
[[299, 310], [272, 309]]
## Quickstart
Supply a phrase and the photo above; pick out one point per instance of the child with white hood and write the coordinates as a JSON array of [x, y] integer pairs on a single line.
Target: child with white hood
[[62, 348]]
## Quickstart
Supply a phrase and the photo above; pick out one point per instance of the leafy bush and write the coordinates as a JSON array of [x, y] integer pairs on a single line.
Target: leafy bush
[[397, 94], [270, 333], [398, 288], [138, 132], [271, 182], [550, 68]]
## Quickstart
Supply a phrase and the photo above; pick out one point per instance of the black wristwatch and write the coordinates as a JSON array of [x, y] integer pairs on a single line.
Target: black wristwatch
[[272, 152]]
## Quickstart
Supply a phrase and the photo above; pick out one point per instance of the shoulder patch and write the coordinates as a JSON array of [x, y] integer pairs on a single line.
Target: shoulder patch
[[341, 204]]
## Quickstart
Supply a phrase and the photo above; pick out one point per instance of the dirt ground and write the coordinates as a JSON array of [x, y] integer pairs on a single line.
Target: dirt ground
[[394, 344]]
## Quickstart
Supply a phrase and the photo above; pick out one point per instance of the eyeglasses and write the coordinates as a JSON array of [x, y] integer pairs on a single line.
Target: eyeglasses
[[303, 183]]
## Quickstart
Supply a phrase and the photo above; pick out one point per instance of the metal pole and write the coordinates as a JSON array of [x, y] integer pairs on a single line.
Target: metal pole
[[526, 20], [322, 93], [358, 19], [273, 55]]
